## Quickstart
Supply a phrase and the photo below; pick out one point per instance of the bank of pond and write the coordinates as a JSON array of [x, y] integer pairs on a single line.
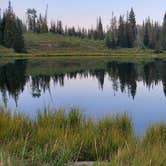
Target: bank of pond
[[120, 120], [61, 137], [91, 84]]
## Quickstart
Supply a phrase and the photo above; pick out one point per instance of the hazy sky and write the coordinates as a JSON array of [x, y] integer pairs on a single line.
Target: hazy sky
[[85, 12]]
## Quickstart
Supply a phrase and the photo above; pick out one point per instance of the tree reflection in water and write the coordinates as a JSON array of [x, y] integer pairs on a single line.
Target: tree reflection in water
[[124, 77]]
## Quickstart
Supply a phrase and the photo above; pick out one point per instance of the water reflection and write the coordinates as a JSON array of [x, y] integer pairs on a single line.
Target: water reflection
[[127, 75], [13, 79], [124, 77]]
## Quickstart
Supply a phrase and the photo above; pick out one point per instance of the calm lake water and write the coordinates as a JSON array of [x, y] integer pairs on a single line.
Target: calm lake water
[[138, 89]]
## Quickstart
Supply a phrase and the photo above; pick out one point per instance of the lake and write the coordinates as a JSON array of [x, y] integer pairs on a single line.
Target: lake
[[139, 89]]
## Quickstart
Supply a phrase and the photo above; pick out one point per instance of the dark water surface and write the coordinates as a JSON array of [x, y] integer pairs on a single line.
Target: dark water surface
[[138, 89]]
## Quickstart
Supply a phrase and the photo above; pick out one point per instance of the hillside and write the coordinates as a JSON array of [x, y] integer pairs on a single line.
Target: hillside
[[48, 44], [53, 44]]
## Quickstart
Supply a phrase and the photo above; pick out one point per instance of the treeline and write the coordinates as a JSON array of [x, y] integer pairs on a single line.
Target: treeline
[[153, 35], [38, 24], [122, 31], [126, 33], [97, 33], [11, 30]]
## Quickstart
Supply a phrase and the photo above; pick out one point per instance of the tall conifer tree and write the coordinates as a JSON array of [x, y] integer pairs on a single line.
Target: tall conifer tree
[[164, 33], [132, 21]]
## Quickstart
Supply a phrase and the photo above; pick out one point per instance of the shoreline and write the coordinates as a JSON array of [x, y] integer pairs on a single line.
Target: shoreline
[[58, 137]]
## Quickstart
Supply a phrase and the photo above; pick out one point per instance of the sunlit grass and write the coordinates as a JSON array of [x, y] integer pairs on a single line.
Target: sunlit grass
[[59, 137], [56, 136]]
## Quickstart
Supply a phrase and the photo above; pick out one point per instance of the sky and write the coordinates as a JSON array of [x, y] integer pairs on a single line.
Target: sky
[[85, 12]]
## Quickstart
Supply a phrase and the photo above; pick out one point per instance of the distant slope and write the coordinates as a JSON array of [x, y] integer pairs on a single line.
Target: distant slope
[[50, 45], [53, 44]]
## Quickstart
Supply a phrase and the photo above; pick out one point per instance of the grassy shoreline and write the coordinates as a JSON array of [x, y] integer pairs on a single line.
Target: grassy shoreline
[[59, 46], [118, 53], [61, 137], [62, 65]]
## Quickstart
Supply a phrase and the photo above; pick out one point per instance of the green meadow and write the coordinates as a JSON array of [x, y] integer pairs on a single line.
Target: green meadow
[[55, 46]]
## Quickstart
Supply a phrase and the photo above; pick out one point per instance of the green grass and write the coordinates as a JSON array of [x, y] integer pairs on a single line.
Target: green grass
[[50, 44], [53, 45], [59, 137]]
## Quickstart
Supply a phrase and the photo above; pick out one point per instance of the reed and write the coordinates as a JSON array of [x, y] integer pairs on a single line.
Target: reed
[[59, 137]]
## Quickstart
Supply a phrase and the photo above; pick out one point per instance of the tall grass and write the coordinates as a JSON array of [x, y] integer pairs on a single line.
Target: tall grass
[[59, 137]]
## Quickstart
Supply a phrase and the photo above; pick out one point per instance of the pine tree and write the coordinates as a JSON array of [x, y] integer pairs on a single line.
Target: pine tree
[[38, 25], [53, 27], [100, 33], [152, 34], [11, 31], [8, 25], [59, 28], [31, 19], [18, 43], [132, 22], [121, 32], [41, 25], [146, 35], [128, 33], [1, 28], [113, 31], [66, 30], [108, 39], [157, 38], [164, 33]]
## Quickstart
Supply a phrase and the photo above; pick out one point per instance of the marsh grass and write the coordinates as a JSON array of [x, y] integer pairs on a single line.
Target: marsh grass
[[59, 137]]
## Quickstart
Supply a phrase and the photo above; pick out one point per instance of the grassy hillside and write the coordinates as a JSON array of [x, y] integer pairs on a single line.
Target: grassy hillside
[[48, 44], [51, 44]]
